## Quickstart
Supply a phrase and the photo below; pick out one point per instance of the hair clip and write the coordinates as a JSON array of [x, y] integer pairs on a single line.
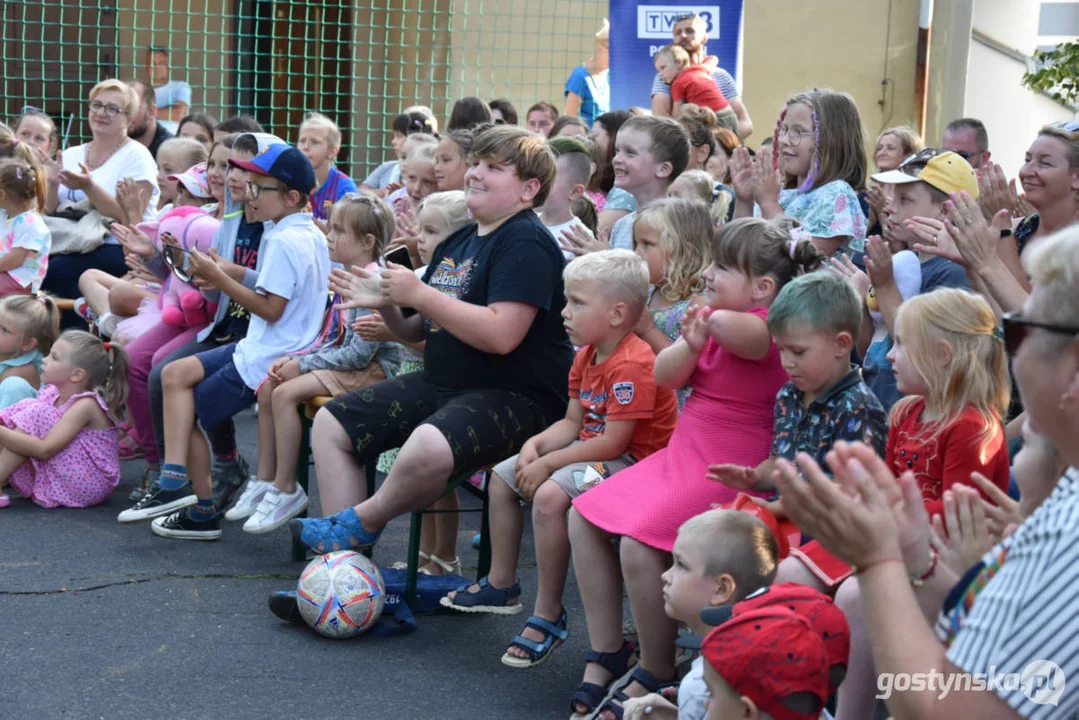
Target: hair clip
[[107, 345], [14, 142], [18, 172]]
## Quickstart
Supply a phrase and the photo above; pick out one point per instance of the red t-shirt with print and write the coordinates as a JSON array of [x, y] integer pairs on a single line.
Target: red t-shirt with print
[[950, 457], [623, 387], [695, 85]]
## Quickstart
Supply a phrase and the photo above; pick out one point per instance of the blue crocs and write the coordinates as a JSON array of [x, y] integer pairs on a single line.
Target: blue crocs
[[488, 599], [342, 531]]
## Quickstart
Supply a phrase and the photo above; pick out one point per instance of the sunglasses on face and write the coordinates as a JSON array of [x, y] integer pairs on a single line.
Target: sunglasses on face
[[1017, 328]]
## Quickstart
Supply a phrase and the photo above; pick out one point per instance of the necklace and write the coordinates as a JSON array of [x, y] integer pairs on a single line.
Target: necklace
[[95, 165]]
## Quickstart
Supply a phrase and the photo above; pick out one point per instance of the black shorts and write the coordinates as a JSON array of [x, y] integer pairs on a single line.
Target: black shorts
[[481, 426]]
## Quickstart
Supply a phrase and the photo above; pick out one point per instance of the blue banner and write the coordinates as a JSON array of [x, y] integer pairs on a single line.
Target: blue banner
[[641, 27]]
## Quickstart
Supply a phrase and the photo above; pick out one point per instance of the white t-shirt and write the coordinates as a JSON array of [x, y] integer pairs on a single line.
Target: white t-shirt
[[693, 693], [133, 161], [296, 266], [556, 232]]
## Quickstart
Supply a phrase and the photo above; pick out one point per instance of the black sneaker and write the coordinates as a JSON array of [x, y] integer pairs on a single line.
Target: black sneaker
[[180, 526], [158, 502], [283, 605], [228, 478]]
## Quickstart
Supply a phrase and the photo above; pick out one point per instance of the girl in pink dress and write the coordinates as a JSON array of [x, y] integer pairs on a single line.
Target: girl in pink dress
[[728, 357], [61, 448]]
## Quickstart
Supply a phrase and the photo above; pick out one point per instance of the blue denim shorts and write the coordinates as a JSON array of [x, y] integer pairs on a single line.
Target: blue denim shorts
[[222, 392]]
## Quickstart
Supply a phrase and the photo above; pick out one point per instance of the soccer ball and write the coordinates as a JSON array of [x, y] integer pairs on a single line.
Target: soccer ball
[[340, 594]]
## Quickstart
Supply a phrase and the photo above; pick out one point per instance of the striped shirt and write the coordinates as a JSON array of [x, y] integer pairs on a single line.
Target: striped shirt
[[1018, 606], [722, 78]]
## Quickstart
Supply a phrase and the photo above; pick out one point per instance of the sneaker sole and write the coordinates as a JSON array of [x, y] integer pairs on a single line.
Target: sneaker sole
[[232, 515], [131, 516], [270, 527], [186, 534], [486, 609]]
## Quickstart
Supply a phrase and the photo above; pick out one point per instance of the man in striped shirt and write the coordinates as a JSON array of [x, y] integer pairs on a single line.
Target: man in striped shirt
[[689, 33]]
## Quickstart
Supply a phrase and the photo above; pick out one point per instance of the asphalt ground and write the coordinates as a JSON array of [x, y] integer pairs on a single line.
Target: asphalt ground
[[101, 620]]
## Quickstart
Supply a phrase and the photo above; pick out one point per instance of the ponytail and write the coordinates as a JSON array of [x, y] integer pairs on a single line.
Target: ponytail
[[115, 391], [106, 365]]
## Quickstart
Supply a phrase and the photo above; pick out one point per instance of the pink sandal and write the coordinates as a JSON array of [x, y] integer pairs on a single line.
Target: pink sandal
[[4, 500]]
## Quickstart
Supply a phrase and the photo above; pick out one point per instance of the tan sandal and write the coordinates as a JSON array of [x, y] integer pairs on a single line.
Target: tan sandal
[[448, 568], [402, 565]]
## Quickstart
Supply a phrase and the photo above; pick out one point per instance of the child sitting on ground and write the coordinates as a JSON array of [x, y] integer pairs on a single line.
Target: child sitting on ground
[[26, 240], [616, 417], [360, 225], [286, 308], [574, 170], [720, 557], [28, 328], [689, 83], [60, 448], [320, 141]]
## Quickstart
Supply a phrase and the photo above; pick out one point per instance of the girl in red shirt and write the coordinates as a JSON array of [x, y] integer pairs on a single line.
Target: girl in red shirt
[[951, 365]]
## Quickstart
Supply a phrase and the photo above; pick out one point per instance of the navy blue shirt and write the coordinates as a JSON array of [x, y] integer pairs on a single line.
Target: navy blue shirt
[[234, 325]]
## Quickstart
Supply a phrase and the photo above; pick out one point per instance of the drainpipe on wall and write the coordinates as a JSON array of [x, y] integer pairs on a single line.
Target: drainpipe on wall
[[921, 67], [946, 74]]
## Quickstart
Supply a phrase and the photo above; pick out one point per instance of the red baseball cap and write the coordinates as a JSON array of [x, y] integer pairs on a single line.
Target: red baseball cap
[[774, 657]]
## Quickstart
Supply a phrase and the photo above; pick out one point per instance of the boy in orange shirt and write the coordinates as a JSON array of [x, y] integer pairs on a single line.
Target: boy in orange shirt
[[616, 417]]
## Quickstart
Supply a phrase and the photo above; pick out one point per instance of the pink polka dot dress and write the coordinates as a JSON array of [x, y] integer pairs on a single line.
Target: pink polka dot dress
[[727, 419], [82, 474]]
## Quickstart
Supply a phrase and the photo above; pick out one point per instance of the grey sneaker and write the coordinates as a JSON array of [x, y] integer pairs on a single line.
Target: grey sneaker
[[228, 478]]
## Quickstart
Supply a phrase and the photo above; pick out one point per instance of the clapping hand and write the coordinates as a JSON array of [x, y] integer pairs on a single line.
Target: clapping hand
[[975, 239], [878, 262], [1001, 511], [962, 535], [767, 185], [372, 328], [133, 198], [695, 328], [359, 288], [743, 175], [738, 477], [575, 239], [843, 267], [205, 267], [134, 240]]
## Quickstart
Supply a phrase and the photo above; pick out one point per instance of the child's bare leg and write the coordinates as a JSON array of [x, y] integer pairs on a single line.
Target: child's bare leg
[[507, 524], [551, 530], [178, 381], [125, 298], [9, 462], [95, 285], [856, 698], [267, 455], [287, 428], [444, 545], [335, 461], [599, 578], [198, 465]]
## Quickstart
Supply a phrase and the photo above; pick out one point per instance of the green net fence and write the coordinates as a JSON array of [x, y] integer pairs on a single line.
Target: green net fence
[[358, 62]]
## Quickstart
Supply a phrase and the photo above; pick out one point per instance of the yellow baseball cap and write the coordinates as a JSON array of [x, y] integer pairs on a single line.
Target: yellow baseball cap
[[942, 169]]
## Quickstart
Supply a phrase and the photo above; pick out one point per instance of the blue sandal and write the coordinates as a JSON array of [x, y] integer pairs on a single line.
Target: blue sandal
[[488, 599], [554, 634], [643, 678], [590, 695], [342, 531]]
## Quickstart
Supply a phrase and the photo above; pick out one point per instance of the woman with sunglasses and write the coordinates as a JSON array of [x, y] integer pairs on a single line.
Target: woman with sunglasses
[[1010, 618], [86, 177]]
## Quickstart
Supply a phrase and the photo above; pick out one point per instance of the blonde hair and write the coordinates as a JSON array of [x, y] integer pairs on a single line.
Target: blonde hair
[[191, 151], [908, 137], [1053, 265], [621, 275], [425, 151], [321, 122], [363, 213], [704, 185], [839, 140], [685, 234], [105, 364], [450, 207], [675, 52], [976, 374], [1071, 139], [129, 102], [36, 317], [734, 543]]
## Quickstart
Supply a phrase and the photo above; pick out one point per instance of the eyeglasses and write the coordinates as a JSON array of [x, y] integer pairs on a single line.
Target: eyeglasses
[[253, 190], [1017, 328], [176, 258], [794, 135], [111, 110]]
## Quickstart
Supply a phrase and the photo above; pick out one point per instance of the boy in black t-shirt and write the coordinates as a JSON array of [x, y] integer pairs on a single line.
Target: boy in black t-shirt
[[489, 308]]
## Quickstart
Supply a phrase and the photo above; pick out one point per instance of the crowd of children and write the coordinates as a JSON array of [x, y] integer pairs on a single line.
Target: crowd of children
[[637, 331]]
